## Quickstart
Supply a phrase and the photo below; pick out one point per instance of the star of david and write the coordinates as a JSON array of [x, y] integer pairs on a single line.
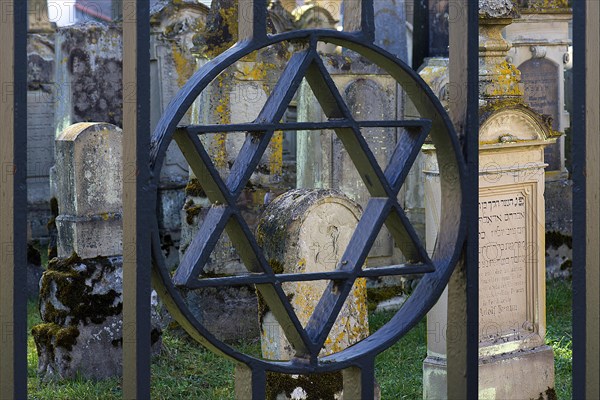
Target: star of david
[[382, 208]]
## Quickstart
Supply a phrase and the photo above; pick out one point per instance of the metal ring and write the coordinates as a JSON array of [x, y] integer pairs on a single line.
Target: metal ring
[[452, 225]]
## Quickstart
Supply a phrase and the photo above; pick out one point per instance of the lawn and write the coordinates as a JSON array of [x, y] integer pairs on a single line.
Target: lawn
[[185, 370]]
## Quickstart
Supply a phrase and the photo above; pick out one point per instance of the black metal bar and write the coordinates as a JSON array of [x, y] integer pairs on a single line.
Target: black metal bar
[[367, 20], [306, 126], [13, 190], [202, 245], [420, 32], [471, 141], [258, 278], [579, 374], [138, 201]]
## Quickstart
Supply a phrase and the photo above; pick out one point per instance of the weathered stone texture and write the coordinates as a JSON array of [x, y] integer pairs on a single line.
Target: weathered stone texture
[[308, 231], [81, 305], [89, 74], [40, 133], [90, 183]]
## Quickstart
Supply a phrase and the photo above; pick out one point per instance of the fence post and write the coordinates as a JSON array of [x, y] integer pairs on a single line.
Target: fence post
[[13, 197], [138, 199], [586, 199], [463, 288]]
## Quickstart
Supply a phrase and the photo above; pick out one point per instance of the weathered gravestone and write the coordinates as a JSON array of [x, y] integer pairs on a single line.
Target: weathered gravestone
[[175, 29], [307, 231], [541, 40], [514, 361], [40, 117], [81, 291], [236, 96], [89, 72], [370, 94]]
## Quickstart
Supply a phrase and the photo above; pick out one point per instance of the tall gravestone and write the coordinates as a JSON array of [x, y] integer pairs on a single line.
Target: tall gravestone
[[40, 118], [81, 292], [175, 28], [236, 96], [541, 40], [514, 361], [370, 94], [307, 231]]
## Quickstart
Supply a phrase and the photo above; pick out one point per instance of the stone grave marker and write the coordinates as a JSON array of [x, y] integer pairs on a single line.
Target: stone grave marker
[[40, 118], [514, 361], [540, 48], [81, 291], [236, 96], [307, 231]]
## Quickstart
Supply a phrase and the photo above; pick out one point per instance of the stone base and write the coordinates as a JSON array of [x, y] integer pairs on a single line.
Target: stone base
[[523, 375], [82, 330], [90, 237]]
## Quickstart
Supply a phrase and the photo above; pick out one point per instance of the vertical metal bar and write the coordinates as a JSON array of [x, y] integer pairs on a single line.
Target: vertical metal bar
[[252, 20], [463, 289], [359, 381], [420, 32], [13, 192], [250, 382], [586, 199], [138, 200], [367, 20]]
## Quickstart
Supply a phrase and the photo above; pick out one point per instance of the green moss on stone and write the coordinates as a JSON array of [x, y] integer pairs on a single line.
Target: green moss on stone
[[191, 211], [276, 266], [75, 294], [377, 295], [49, 336], [194, 189]]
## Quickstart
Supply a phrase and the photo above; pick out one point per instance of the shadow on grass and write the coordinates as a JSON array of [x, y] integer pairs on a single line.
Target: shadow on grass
[[185, 370]]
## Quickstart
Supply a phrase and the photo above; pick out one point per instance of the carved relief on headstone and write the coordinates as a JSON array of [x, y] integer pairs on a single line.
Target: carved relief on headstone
[[89, 74], [307, 231]]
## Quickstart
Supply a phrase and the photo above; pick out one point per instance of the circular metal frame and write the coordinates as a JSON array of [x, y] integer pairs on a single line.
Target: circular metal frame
[[452, 225]]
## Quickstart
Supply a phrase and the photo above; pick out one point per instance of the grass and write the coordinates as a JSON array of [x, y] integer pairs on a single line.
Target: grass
[[559, 333], [185, 370]]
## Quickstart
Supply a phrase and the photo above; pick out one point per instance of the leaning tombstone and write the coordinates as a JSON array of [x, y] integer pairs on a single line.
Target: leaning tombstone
[[307, 231], [81, 292]]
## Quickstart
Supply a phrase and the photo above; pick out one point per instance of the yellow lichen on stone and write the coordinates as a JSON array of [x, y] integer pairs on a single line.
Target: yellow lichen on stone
[[276, 154], [508, 81], [184, 67]]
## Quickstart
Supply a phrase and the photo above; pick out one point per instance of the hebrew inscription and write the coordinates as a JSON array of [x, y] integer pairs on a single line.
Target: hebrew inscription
[[503, 256]]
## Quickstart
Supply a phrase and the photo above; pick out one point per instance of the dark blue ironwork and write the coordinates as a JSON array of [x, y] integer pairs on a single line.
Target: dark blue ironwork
[[580, 219], [382, 208]]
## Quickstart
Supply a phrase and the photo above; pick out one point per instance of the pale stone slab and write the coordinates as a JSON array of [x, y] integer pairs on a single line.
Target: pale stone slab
[[89, 171]]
